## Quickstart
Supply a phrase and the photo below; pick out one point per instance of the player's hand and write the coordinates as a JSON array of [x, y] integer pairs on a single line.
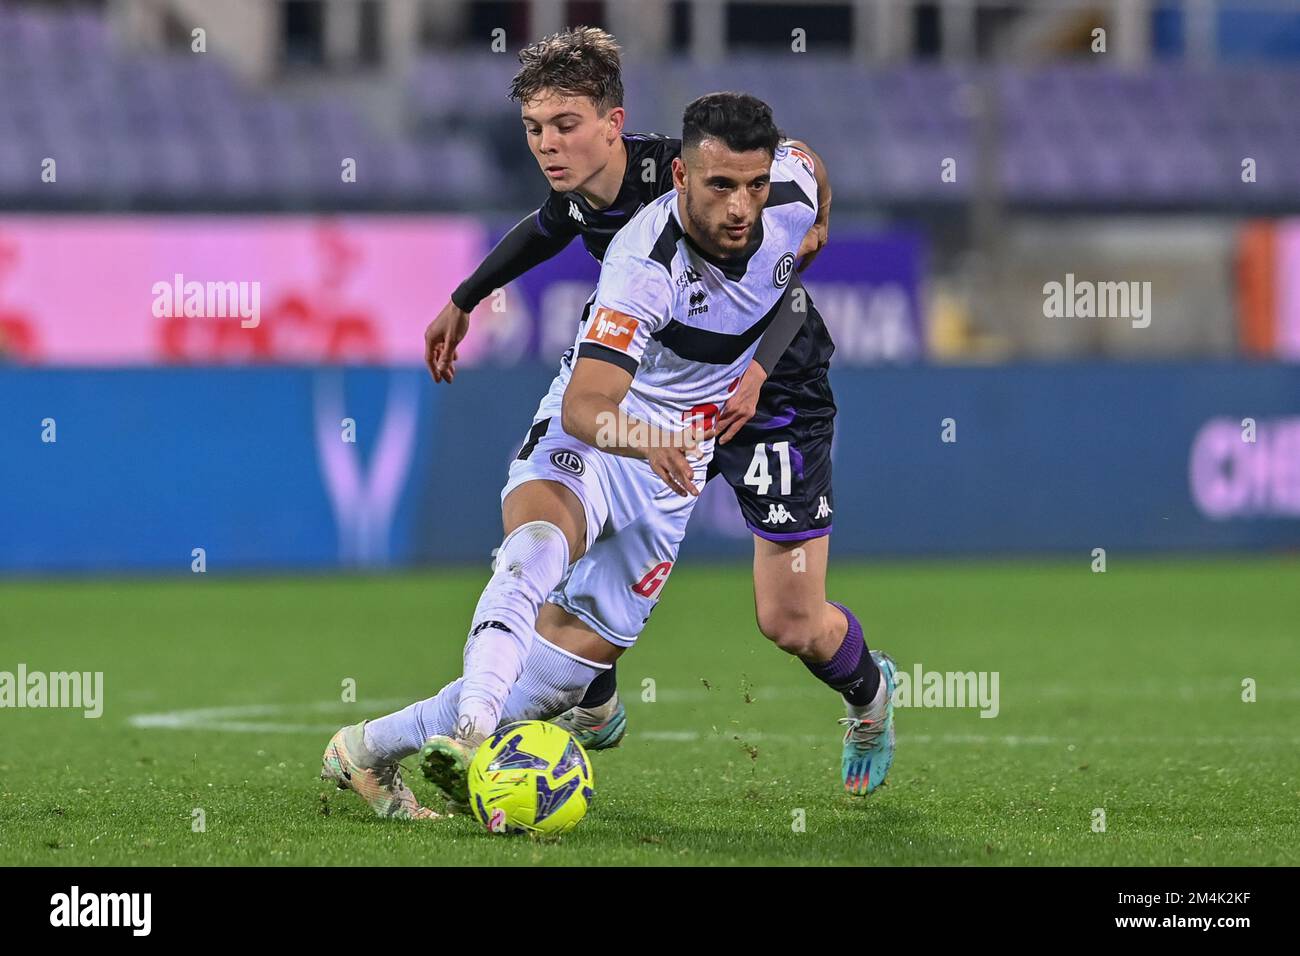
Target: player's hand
[[742, 403], [440, 340], [814, 241], [672, 463]]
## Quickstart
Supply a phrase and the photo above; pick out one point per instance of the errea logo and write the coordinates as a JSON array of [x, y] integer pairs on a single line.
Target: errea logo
[[698, 302]]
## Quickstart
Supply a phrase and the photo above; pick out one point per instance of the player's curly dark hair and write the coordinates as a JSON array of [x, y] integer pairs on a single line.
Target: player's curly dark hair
[[579, 61], [741, 121]]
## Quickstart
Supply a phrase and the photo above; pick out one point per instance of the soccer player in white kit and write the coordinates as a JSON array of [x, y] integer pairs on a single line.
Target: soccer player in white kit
[[602, 490]]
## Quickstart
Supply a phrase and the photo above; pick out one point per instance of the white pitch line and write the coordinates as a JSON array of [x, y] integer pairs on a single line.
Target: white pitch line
[[1025, 694], [1010, 740], [233, 719], [236, 720]]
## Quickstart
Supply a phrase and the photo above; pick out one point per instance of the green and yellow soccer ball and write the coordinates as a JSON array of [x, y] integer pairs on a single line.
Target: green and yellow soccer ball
[[530, 777]]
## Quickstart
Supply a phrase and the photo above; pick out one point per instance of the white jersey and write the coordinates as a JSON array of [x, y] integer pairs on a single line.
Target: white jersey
[[686, 324]]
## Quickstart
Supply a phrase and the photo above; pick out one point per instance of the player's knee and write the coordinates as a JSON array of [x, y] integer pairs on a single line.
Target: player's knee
[[790, 629], [535, 548]]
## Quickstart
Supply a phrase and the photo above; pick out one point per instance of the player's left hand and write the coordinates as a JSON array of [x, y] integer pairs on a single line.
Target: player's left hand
[[672, 462], [742, 403], [813, 242], [441, 337]]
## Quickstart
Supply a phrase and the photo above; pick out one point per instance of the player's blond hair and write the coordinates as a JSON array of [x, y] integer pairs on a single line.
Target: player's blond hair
[[579, 61]]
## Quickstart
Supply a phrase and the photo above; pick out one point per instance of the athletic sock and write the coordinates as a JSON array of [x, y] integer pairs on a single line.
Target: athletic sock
[[874, 704], [553, 681], [530, 563], [398, 735], [600, 690], [851, 671]]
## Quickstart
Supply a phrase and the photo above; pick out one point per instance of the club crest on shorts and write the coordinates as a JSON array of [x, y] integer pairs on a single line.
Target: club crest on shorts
[[784, 267], [568, 461]]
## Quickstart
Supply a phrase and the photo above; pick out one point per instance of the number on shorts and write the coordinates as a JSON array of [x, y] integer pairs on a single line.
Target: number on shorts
[[706, 413], [757, 475]]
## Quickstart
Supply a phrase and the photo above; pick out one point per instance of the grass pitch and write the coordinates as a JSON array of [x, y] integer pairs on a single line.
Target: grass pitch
[[1119, 691]]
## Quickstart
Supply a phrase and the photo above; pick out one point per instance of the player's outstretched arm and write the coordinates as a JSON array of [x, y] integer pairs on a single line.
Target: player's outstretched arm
[[523, 247], [591, 414]]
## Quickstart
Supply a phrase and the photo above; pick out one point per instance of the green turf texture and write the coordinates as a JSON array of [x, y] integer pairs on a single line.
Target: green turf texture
[[1120, 691]]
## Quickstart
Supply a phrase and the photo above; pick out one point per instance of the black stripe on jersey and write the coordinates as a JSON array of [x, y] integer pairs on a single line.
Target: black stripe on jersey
[[534, 436], [604, 353], [665, 246], [712, 348], [787, 191]]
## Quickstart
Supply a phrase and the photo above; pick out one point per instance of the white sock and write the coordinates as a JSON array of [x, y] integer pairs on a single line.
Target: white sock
[[529, 565], [553, 681], [401, 734]]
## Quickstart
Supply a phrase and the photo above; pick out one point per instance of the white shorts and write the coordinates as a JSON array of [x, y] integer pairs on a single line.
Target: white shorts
[[635, 524]]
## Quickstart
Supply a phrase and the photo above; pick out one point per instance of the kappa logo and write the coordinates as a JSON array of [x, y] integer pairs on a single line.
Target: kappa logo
[[575, 212], [784, 268], [776, 514], [698, 303], [568, 461], [823, 509], [612, 329]]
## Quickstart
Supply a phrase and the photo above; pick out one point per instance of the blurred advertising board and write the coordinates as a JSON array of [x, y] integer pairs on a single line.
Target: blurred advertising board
[[79, 290]]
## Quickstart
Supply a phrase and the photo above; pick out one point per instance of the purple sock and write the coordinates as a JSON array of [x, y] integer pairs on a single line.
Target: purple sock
[[851, 671]]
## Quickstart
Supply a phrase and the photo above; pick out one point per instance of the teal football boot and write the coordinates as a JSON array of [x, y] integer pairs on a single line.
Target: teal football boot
[[596, 728], [869, 735]]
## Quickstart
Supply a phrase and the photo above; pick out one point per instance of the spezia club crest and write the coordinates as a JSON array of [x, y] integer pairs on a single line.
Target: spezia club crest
[[567, 461], [784, 266]]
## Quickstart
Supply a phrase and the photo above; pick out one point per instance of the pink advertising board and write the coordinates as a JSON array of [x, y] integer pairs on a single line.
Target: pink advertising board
[[81, 290], [1288, 291]]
